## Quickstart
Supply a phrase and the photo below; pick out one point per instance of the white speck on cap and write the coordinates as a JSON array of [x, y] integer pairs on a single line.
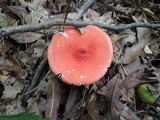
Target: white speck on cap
[[64, 33], [58, 46], [81, 76]]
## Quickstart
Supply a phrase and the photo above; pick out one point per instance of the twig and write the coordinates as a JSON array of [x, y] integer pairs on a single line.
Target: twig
[[52, 22], [35, 81], [67, 11], [83, 9], [31, 91]]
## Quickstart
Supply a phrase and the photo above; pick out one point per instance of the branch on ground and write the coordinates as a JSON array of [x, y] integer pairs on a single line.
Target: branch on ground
[[54, 22]]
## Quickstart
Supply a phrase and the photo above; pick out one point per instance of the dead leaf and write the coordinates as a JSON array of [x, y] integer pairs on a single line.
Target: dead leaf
[[131, 81], [72, 103], [26, 56], [53, 99], [147, 50], [106, 18], [90, 107], [8, 64], [147, 10], [60, 3], [14, 107], [156, 72], [116, 37], [115, 107], [13, 12], [26, 37], [5, 21], [131, 53], [3, 78], [12, 88], [91, 15], [5, 47], [118, 90], [38, 52], [23, 3], [125, 10], [34, 108], [39, 48]]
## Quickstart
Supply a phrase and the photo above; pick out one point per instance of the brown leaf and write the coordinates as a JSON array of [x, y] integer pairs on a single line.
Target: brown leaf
[[5, 47], [156, 72], [13, 107], [91, 15], [9, 64], [53, 99], [115, 108], [72, 103], [107, 18], [130, 82], [116, 91], [12, 88], [116, 37], [34, 108], [26, 37], [90, 107], [131, 53], [60, 3], [3, 78], [12, 11]]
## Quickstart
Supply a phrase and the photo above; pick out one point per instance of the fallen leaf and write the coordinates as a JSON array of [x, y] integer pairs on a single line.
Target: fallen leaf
[[131, 53], [90, 107], [147, 50], [3, 78], [34, 108], [53, 99], [26, 37], [91, 15], [12, 89], [72, 103], [147, 10], [8, 64], [118, 90], [60, 3], [116, 37], [115, 108]]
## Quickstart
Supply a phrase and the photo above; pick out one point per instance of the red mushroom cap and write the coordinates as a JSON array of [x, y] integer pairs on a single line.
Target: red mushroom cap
[[81, 58]]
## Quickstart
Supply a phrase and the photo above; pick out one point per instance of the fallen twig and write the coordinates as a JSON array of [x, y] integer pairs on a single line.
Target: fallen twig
[[35, 81], [52, 22], [83, 9]]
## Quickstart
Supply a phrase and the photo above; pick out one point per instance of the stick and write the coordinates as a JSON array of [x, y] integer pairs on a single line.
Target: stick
[[83, 9], [47, 24]]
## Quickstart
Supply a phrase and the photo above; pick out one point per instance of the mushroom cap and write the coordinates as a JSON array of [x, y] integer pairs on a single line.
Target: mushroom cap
[[81, 58]]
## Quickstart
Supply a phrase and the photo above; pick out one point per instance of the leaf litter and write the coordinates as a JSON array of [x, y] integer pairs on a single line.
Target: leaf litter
[[114, 97]]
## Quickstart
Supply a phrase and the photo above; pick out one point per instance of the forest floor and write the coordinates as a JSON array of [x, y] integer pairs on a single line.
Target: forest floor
[[28, 85]]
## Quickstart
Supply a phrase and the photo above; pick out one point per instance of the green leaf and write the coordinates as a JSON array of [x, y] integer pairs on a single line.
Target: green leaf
[[23, 116], [145, 95], [147, 10]]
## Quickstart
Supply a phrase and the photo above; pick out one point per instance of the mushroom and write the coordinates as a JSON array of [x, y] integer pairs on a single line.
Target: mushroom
[[81, 58]]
